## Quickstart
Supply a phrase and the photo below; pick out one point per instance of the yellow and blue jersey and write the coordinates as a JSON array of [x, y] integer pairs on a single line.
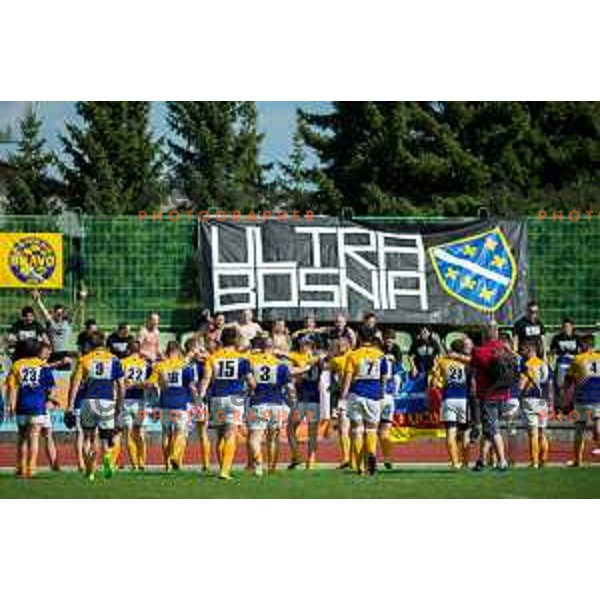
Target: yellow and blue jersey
[[272, 376], [230, 370], [585, 373], [98, 370], [308, 383], [174, 377], [534, 375], [137, 371], [33, 380], [368, 367], [451, 376]]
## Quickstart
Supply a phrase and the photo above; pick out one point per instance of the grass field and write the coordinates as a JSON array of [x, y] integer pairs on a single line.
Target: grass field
[[422, 482]]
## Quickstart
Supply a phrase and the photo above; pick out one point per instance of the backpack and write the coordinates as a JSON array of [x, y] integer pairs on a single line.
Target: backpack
[[504, 369]]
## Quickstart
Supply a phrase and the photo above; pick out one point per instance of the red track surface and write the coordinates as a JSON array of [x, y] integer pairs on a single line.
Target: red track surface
[[418, 451]]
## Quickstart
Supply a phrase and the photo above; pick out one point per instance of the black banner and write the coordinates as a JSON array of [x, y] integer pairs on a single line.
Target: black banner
[[444, 272]]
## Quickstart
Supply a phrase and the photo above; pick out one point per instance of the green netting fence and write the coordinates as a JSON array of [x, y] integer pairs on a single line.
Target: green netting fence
[[130, 268]]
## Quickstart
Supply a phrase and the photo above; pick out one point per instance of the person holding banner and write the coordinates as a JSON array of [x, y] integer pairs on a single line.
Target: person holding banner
[[564, 346], [365, 376], [388, 404]]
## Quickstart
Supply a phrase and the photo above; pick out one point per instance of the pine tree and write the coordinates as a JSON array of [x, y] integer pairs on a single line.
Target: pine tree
[[114, 164], [215, 153], [30, 188]]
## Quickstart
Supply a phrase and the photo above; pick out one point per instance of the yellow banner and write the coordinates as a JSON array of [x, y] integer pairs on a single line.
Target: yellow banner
[[31, 260]]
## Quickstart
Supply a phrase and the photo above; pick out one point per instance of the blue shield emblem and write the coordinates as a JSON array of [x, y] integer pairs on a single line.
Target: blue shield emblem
[[479, 270]]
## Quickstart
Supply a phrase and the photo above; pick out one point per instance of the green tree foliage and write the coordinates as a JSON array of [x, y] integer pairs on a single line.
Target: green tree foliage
[[215, 152], [29, 190], [114, 165], [449, 157]]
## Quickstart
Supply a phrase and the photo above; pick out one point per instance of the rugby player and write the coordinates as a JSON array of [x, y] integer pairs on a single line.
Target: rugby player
[[308, 405], [336, 365], [134, 416], [226, 376], [28, 385], [196, 359], [365, 375], [46, 426], [450, 375], [102, 375], [176, 380], [584, 376], [532, 384], [272, 389], [388, 404]]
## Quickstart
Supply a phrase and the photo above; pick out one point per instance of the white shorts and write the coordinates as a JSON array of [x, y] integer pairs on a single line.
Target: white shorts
[[227, 410], [306, 411], [509, 410], [536, 412], [134, 414], [77, 415], [267, 416], [198, 412], [361, 410], [97, 413], [587, 412], [454, 410], [174, 420], [26, 420], [388, 407], [47, 422]]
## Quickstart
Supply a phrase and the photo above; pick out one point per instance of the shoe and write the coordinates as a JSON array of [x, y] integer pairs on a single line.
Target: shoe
[[225, 476], [388, 465], [479, 466], [293, 465], [502, 467], [534, 466], [91, 477], [259, 471], [344, 466], [107, 466], [175, 465], [371, 460]]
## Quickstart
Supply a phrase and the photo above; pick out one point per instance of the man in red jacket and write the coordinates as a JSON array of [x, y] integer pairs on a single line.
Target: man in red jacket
[[490, 393]]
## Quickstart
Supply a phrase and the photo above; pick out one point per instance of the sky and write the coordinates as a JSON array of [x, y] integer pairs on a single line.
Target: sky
[[275, 119]]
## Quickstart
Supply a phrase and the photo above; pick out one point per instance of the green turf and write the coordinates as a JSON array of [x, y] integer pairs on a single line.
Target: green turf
[[402, 483]]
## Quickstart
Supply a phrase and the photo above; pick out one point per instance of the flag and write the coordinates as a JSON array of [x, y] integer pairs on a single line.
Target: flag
[[31, 260], [478, 270]]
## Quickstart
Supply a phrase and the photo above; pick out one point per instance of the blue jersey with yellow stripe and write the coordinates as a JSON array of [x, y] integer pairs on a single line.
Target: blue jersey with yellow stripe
[[98, 370], [272, 376], [33, 380], [137, 371], [585, 373], [230, 370], [369, 368], [308, 383], [451, 376], [174, 378]]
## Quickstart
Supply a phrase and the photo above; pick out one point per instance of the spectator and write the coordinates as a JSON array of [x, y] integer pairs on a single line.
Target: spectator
[[281, 336], [215, 328], [423, 352], [491, 391], [311, 330], [25, 329], [341, 329], [149, 338], [248, 327], [118, 341], [84, 339], [564, 347], [58, 328], [530, 328]]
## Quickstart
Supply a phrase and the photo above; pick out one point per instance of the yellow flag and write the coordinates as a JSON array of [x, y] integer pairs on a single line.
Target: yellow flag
[[31, 260]]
